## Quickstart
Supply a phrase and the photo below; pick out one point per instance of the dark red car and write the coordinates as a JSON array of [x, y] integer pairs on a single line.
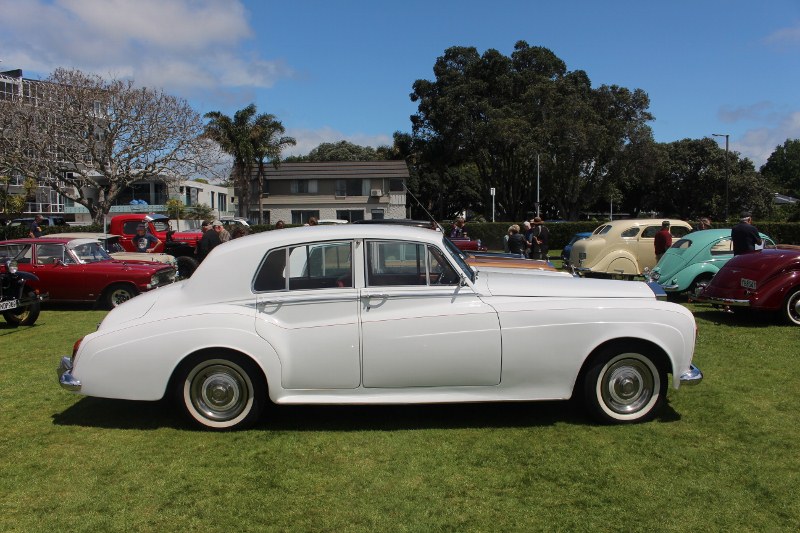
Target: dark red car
[[767, 280], [80, 270]]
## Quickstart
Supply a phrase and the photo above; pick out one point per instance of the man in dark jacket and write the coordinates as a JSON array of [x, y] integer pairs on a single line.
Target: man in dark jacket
[[745, 236]]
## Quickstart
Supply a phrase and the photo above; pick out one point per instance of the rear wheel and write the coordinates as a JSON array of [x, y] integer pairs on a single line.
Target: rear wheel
[[222, 391], [625, 385], [24, 316], [699, 283], [118, 294], [791, 308]]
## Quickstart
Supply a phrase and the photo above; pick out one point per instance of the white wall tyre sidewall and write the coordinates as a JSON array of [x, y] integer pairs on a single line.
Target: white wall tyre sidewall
[[641, 366], [244, 383]]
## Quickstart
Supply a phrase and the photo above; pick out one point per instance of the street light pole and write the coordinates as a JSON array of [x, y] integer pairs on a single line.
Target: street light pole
[[537, 186], [726, 135]]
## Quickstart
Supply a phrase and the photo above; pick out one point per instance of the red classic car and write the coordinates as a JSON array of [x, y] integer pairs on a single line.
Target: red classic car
[[767, 280], [80, 270]]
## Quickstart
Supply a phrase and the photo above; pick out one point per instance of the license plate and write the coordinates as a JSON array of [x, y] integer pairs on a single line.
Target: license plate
[[8, 304], [748, 283]]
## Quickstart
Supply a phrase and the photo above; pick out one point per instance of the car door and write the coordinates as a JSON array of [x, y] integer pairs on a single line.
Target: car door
[[307, 309], [60, 275], [420, 326]]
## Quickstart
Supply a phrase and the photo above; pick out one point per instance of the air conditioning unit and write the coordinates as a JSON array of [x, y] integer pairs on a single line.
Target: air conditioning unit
[[376, 192]]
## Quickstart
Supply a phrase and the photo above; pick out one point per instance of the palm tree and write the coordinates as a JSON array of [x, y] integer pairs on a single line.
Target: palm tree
[[250, 139], [268, 142]]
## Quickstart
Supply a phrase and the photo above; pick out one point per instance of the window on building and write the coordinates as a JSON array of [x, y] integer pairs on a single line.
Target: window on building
[[377, 214], [396, 185], [351, 215], [302, 216], [222, 203], [352, 187], [304, 187]]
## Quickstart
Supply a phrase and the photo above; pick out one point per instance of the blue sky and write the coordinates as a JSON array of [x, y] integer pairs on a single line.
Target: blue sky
[[333, 70]]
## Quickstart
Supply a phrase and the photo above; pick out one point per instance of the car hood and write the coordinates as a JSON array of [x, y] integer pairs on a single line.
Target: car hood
[[512, 284]]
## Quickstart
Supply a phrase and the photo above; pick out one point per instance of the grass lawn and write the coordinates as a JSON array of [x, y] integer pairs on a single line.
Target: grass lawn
[[725, 455]]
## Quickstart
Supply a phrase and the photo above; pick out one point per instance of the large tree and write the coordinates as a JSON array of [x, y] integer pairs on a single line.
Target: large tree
[[783, 167], [499, 113], [89, 138]]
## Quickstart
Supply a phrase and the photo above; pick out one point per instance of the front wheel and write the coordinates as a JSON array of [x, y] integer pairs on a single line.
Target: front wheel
[[24, 316], [792, 308], [221, 392], [625, 385], [118, 294], [186, 266]]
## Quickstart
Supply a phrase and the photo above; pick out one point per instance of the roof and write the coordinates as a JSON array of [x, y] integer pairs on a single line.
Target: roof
[[339, 170]]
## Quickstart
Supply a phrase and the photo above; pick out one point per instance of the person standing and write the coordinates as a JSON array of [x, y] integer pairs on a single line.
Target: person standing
[[144, 241], [208, 242], [224, 235], [516, 242], [703, 223], [662, 240], [745, 236], [36, 227], [459, 231], [540, 240]]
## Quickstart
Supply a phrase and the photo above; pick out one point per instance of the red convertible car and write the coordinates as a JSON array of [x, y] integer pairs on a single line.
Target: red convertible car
[[767, 280], [80, 270]]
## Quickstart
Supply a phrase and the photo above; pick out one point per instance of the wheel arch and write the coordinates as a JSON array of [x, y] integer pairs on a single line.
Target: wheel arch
[[661, 358], [211, 351]]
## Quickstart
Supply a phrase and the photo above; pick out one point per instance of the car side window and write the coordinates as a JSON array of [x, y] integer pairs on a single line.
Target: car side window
[[650, 232], [679, 231], [49, 254], [722, 247], [129, 227], [21, 253], [271, 276], [440, 272], [634, 231], [395, 263]]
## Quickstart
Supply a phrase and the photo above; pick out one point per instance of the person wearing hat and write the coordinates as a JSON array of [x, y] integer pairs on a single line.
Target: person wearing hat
[[224, 235], [209, 240], [145, 241], [745, 236], [540, 239], [662, 240]]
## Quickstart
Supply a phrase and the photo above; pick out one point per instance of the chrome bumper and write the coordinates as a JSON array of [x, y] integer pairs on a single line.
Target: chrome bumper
[[693, 376], [65, 378], [731, 302]]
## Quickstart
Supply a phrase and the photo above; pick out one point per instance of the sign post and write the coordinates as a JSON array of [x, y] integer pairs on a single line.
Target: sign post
[[491, 191]]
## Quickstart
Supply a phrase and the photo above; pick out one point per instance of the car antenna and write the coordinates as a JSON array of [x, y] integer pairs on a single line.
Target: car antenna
[[430, 216]]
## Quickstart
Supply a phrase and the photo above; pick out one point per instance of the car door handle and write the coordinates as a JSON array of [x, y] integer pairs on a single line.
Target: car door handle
[[375, 296]]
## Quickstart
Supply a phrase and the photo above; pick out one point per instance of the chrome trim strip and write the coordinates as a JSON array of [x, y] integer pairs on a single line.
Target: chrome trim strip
[[723, 301]]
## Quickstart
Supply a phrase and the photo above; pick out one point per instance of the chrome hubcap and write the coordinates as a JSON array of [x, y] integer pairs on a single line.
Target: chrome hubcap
[[218, 392], [628, 385]]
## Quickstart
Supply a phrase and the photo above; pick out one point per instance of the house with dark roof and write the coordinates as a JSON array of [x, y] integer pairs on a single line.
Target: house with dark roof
[[347, 190]]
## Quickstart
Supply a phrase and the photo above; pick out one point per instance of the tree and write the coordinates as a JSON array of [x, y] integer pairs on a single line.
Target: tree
[[268, 143], [89, 138], [249, 138], [499, 113], [783, 167]]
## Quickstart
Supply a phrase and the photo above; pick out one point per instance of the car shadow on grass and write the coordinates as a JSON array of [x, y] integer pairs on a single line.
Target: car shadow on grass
[[124, 414], [739, 317]]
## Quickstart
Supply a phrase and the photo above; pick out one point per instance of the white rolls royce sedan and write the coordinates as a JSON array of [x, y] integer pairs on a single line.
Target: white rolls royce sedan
[[378, 314]]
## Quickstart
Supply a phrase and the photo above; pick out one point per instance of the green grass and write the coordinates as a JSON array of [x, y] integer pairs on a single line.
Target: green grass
[[723, 456]]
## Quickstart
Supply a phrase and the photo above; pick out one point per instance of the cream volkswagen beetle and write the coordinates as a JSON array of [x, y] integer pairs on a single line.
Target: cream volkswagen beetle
[[360, 314]]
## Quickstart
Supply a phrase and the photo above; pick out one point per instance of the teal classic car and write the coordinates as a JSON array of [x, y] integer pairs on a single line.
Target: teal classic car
[[691, 262]]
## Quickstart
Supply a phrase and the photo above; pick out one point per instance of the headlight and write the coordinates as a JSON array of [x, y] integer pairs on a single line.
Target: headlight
[[655, 276], [11, 266], [154, 280]]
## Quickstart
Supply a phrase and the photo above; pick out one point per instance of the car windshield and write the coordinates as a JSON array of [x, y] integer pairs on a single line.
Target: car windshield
[[458, 257], [90, 252]]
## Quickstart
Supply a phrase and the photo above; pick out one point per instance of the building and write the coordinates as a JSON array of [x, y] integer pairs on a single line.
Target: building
[[347, 190]]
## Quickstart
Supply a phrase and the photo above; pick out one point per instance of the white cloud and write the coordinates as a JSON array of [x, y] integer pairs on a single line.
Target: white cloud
[[785, 36], [759, 143], [177, 45]]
